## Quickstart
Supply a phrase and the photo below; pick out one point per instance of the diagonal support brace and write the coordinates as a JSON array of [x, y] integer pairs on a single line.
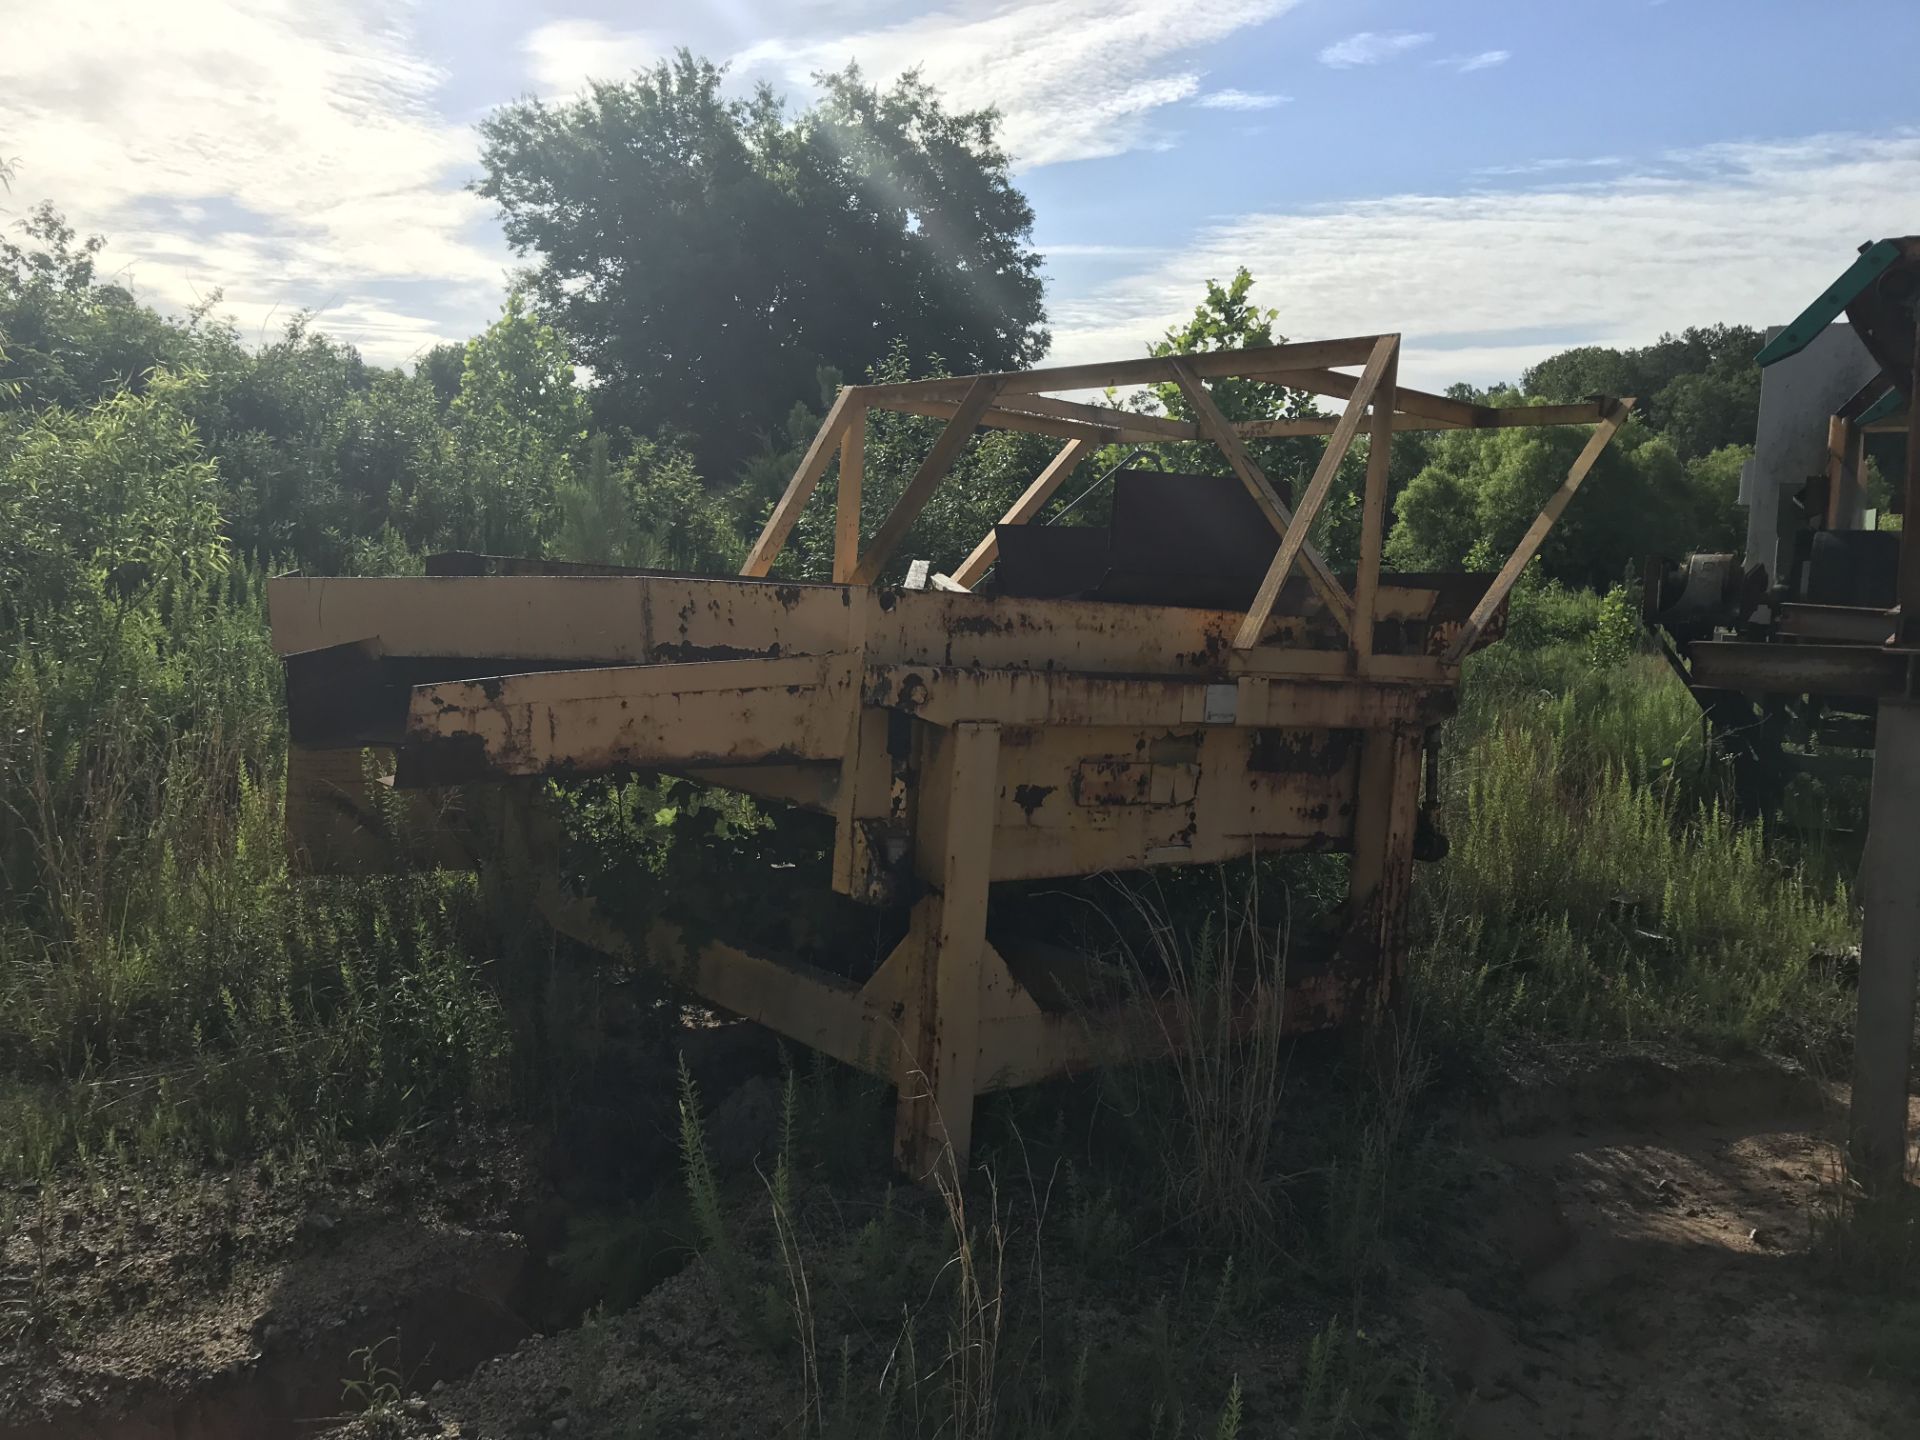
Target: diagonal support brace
[[1536, 535], [926, 479], [1295, 539], [1216, 428]]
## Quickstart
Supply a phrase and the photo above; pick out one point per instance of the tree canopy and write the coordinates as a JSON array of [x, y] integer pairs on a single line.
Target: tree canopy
[[1668, 484], [1480, 489], [706, 269], [1699, 388], [705, 256]]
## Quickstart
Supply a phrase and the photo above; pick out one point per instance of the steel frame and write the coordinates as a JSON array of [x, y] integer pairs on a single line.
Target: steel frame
[[1019, 400], [956, 739], [1867, 660]]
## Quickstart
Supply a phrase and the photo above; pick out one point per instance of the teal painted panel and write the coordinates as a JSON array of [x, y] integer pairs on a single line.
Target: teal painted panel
[[1881, 408], [1823, 312]]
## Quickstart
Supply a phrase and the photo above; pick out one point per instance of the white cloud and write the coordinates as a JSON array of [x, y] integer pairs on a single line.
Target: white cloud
[[1484, 284], [564, 54], [1371, 48], [1078, 249], [1485, 60], [285, 150], [1075, 79], [1544, 167], [1241, 100]]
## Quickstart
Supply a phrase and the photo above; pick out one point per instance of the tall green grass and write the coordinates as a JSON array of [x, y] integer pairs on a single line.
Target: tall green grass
[[167, 984], [1598, 885]]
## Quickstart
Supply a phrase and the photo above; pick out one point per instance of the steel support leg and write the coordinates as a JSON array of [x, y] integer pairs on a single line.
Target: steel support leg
[[1889, 950], [1385, 818], [940, 1033]]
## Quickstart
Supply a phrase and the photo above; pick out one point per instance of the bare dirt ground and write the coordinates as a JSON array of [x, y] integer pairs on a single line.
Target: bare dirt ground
[[1658, 1282], [1634, 1262], [231, 1305]]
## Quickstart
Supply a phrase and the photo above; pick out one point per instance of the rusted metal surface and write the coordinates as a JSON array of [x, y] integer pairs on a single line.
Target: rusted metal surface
[[1108, 702], [591, 722], [546, 621], [1848, 624], [1024, 1034], [1188, 540], [337, 696], [1128, 736]]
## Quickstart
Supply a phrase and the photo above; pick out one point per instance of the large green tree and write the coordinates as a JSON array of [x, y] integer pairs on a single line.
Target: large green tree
[[648, 509], [1699, 388], [986, 477], [1227, 319], [67, 338], [705, 255], [1480, 489], [101, 503]]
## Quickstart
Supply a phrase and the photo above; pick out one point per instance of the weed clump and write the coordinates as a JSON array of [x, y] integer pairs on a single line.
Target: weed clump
[[1216, 989], [1600, 887]]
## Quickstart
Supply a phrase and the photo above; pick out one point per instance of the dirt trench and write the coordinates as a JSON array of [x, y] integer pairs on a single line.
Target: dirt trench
[[233, 1305], [273, 1381]]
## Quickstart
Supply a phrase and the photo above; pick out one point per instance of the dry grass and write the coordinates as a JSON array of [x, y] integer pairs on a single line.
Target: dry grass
[[1217, 991]]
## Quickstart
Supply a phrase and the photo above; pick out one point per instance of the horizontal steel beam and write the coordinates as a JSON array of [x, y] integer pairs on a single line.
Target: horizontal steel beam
[[1849, 624], [1269, 362], [1759, 668], [1065, 420], [588, 722], [946, 695]]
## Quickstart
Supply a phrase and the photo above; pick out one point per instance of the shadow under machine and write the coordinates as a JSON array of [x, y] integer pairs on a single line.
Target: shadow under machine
[[1187, 684]]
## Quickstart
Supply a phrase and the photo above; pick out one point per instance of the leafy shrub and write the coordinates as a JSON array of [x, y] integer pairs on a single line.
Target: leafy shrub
[[1616, 629], [1544, 613]]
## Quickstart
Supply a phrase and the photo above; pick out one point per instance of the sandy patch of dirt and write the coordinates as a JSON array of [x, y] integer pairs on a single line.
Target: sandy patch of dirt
[[1657, 1281], [670, 1366]]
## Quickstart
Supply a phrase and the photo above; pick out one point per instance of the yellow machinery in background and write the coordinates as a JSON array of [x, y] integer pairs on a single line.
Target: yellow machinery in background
[[1109, 699]]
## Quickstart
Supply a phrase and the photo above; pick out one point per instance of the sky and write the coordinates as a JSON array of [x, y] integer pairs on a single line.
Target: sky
[[1495, 179]]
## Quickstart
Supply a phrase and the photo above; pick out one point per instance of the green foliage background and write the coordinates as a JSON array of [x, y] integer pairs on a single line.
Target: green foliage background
[[702, 274]]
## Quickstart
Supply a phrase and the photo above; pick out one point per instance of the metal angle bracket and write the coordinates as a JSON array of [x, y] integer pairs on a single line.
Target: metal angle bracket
[[1872, 263], [1881, 408]]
